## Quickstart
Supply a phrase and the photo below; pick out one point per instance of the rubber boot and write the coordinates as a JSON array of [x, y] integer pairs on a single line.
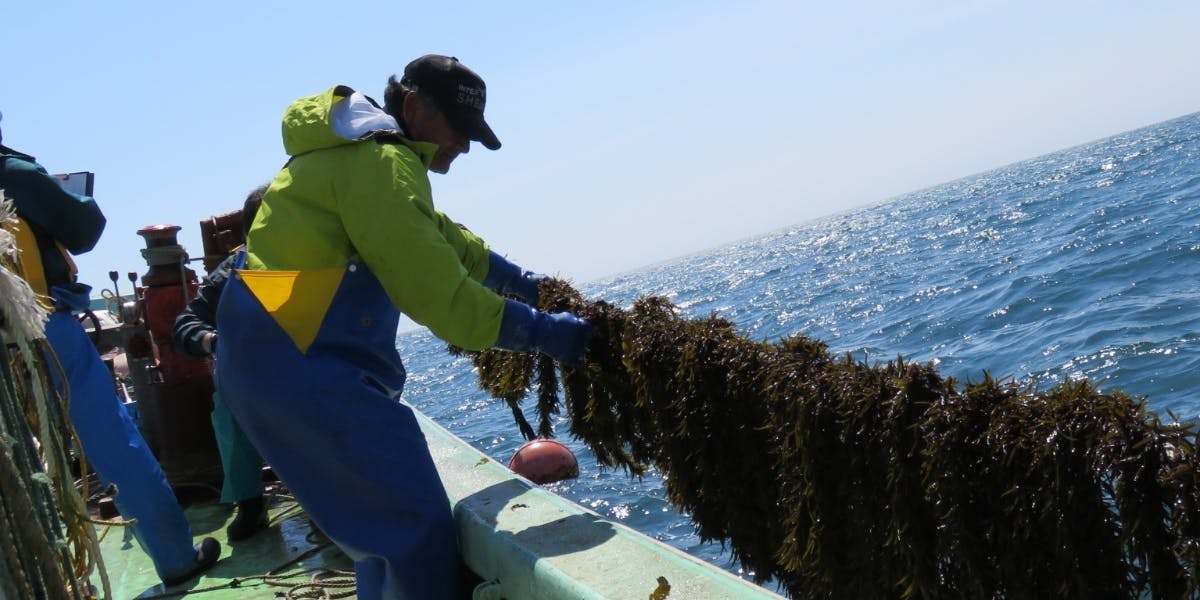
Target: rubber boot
[[251, 518], [207, 553]]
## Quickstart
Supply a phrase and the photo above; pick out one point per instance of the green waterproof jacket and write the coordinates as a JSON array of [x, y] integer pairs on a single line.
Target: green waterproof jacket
[[356, 189]]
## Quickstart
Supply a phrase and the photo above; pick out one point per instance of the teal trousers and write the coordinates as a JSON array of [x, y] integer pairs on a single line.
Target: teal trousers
[[241, 462]]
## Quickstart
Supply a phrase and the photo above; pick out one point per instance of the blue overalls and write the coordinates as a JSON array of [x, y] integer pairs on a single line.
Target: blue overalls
[[117, 452], [328, 420]]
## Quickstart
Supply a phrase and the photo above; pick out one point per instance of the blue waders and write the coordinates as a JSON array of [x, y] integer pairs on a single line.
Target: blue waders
[[329, 422], [117, 451]]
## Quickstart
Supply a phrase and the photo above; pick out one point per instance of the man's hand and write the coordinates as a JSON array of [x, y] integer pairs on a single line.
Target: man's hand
[[208, 342], [507, 278], [563, 335]]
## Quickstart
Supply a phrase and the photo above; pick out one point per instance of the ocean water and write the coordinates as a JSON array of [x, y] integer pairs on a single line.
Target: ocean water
[[1084, 263]]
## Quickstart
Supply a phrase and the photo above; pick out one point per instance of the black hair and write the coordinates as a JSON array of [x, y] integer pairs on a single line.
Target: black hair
[[250, 207], [393, 98]]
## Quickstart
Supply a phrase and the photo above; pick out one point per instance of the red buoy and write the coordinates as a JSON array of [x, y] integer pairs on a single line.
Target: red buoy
[[544, 461]]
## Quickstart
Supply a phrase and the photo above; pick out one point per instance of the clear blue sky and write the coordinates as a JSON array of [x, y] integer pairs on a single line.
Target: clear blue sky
[[634, 132]]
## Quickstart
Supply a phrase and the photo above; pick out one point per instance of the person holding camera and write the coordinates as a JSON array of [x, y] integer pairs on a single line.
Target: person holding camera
[[54, 223]]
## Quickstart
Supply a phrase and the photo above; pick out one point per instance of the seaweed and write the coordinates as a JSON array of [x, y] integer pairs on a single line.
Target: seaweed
[[839, 478]]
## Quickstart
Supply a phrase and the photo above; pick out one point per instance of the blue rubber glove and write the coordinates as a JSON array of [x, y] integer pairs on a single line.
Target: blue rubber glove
[[507, 278], [563, 336]]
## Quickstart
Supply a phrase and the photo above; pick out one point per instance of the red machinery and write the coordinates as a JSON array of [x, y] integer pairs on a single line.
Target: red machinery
[[221, 234], [165, 291], [174, 394]]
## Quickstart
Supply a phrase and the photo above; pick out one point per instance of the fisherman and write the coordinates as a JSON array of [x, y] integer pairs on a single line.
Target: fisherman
[[346, 239], [53, 221], [195, 337]]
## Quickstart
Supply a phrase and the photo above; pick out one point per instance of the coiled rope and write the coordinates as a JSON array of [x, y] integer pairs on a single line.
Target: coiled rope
[[49, 544]]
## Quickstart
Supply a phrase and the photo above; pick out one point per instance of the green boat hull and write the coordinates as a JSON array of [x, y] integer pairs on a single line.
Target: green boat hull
[[521, 542]]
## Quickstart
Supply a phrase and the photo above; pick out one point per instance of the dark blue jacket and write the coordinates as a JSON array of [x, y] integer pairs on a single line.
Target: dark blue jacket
[[57, 217], [200, 315]]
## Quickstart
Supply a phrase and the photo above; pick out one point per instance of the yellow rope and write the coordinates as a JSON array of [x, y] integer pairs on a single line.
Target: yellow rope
[[45, 436]]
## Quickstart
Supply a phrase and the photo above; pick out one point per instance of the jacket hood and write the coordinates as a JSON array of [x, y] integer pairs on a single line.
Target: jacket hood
[[340, 116]]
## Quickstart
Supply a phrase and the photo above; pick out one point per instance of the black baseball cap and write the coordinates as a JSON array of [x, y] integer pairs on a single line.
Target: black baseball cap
[[457, 91]]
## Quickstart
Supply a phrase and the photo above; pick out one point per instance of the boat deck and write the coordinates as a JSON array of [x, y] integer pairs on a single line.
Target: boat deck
[[285, 557], [519, 542]]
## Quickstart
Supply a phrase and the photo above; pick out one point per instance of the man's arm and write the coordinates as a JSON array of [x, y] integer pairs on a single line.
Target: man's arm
[[199, 319], [73, 220], [429, 267]]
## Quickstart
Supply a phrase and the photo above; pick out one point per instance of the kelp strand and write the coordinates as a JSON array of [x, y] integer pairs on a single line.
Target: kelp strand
[[841, 479]]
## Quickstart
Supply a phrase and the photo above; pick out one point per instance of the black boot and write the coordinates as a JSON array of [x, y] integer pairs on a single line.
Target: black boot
[[251, 517], [207, 553]]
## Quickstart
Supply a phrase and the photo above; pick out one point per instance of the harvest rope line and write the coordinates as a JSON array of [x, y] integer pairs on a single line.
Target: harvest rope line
[[49, 545], [843, 479]]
